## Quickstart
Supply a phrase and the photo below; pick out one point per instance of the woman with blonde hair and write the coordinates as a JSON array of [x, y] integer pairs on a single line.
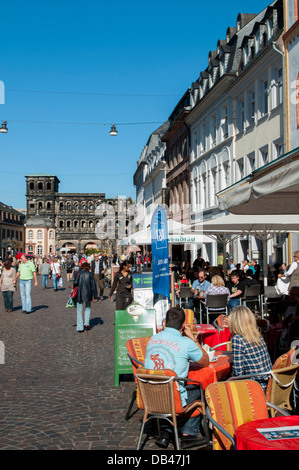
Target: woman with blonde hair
[[250, 353]]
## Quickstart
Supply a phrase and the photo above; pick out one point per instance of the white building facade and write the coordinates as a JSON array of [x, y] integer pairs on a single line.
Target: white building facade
[[237, 118]]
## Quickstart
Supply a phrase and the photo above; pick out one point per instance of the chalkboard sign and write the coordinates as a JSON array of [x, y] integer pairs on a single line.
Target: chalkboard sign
[[135, 322]]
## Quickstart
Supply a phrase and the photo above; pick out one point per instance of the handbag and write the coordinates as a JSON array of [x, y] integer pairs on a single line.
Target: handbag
[[74, 292]]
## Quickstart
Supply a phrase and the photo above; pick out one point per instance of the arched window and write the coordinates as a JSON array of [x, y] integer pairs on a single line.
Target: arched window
[[30, 234], [51, 234], [40, 186], [39, 250], [39, 234]]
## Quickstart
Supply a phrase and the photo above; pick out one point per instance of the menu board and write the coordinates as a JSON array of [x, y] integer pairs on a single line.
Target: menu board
[[134, 322]]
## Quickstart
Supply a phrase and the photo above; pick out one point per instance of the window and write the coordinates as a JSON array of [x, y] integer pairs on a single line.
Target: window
[[265, 97], [252, 107], [48, 186], [48, 206], [264, 157], [31, 185], [213, 130], [279, 86], [51, 234], [40, 186], [30, 249], [241, 115], [39, 234], [30, 234], [251, 163], [224, 122], [240, 168], [39, 250]]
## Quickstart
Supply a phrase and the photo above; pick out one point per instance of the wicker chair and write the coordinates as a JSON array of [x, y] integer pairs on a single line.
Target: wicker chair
[[136, 352], [230, 404], [159, 396], [281, 381]]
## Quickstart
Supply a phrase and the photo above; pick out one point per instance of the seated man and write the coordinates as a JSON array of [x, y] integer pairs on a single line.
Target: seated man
[[174, 347], [236, 289], [199, 285]]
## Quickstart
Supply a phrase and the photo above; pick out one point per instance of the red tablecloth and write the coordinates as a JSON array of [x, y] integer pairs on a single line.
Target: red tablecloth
[[218, 370], [217, 338], [248, 437]]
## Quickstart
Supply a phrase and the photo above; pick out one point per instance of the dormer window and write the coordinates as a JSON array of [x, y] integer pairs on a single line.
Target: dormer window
[[270, 28], [257, 42]]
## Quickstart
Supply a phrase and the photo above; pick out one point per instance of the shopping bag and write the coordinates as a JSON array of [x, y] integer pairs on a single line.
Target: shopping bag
[[71, 303]]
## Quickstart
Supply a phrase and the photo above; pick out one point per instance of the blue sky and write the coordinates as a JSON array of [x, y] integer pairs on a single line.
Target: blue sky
[[72, 68]]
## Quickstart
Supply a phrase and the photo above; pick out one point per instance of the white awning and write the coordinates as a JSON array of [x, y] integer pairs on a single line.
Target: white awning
[[177, 234], [272, 189]]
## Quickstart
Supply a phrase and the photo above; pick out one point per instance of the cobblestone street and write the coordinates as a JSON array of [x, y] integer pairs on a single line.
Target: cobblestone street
[[57, 385]]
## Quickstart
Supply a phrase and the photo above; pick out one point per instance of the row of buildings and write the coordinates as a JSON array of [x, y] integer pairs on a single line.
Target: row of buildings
[[240, 114], [55, 222]]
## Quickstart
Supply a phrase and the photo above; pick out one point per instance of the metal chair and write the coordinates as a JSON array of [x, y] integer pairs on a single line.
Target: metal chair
[[217, 302], [185, 293], [159, 396], [269, 293], [252, 294], [230, 404]]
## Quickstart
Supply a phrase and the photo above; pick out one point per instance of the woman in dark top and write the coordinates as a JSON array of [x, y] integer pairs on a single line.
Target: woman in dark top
[[87, 290], [123, 285]]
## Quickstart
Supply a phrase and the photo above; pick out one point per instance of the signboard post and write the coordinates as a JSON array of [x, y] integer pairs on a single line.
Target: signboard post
[[134, 322]]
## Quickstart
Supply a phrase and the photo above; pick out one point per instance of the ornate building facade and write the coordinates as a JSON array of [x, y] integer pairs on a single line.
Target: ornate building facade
[[12, 231], [79, 220]]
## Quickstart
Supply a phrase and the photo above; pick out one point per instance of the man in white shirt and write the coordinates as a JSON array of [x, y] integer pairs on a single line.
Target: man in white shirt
[[293, 271]]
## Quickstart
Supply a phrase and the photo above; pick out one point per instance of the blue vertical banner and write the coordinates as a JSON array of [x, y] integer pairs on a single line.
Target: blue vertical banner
[[160, 257]]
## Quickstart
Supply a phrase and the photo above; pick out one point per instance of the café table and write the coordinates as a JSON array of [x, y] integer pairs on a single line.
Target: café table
[[204, 330], [248, 437], [219, 369]]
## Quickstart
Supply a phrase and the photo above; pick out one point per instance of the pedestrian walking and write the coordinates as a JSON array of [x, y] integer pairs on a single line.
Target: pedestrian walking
[[86, 292], [98, 270], [8, 285], [26, 272], [123, 285], [56, 274], [69, 267], [45, 271]]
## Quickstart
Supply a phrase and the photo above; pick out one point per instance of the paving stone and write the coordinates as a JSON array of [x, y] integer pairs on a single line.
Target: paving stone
[[57, 386]]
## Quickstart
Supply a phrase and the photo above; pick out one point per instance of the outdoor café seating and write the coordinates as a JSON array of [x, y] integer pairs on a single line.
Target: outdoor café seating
[[280, 383], [215, 304], [184, 295], [252, 296], [229, 405], [159, 396], [136, 353]]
